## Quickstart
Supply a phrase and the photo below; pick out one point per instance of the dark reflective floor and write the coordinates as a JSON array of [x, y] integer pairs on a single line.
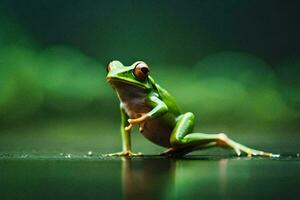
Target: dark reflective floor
[[194, 177], [61, 160]]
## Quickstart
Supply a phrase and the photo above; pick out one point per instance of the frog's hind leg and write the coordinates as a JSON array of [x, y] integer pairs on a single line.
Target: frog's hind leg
[[184, 141]]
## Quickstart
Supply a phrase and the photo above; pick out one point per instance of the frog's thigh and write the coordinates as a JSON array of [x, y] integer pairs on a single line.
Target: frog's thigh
[[183, 140], [182, 135]]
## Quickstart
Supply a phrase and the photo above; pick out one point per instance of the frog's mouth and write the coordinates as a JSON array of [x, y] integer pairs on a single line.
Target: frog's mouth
[[117, 83]]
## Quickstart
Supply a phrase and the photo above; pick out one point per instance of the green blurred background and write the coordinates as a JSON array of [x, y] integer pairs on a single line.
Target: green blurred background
[[235, 64]]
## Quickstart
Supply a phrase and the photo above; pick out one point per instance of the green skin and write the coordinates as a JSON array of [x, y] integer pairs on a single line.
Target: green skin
[[145, 103]]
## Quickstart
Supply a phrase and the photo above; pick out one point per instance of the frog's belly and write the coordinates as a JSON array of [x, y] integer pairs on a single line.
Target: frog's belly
[[158, 132]]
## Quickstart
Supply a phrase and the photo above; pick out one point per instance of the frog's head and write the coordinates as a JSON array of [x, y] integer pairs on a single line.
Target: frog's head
[[136, 75]]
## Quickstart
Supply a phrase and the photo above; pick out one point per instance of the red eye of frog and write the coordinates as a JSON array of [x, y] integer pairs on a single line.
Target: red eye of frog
[[141, 71]]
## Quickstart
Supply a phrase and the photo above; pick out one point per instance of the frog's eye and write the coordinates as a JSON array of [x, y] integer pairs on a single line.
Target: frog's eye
[[141, 71]]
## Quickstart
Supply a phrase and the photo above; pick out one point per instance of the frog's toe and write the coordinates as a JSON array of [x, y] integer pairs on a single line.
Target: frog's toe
[[129, 127], [237, 151], [262, 153], [176, 152], [142, 126], [139, 120], [136, 154], [131, 154], [253, 152], [168, 152], [124, 153], [113, 154]]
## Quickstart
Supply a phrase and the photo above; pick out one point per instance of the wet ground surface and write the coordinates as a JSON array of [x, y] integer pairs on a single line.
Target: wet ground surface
[[62, 160], [92, 176]]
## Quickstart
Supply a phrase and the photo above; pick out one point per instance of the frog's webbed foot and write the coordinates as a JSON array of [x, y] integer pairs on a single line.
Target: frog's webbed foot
[[140, 121], [224, 141], [125, 154]]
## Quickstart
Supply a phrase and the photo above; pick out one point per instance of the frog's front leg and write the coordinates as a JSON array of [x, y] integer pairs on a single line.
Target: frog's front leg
[[126, 140], [183, 140], [159, 108]]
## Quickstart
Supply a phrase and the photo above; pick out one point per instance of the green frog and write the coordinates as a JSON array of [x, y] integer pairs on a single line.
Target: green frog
[[145, 103]]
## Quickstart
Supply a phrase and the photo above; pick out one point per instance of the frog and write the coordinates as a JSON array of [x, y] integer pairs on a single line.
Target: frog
[[146, 104]]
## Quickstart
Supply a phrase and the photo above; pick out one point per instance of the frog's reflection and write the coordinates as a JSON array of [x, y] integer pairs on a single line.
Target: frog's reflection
[[147, 178], [154, 178]]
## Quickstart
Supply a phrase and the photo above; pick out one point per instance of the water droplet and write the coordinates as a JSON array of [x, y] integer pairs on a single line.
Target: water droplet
[[90, 153], [24, 156], [68, 155]]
